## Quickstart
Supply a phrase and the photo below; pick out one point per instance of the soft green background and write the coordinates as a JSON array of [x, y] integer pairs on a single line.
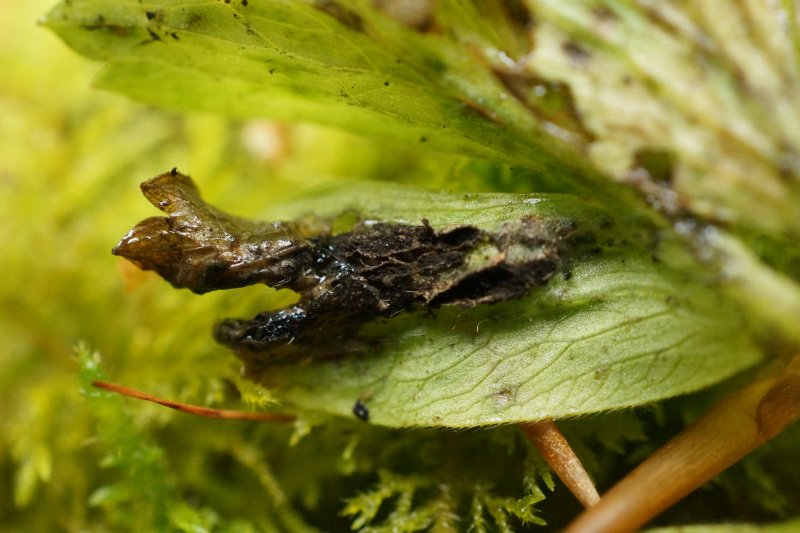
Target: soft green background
[[71, 158], [640, 322]]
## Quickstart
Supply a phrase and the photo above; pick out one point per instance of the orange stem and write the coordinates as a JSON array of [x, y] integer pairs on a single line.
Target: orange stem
[[734, 427], [193, 409], [555, 449]]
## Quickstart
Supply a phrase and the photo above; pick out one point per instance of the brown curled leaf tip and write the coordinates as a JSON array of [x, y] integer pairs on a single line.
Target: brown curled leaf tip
[[201, 248], [344, 280]]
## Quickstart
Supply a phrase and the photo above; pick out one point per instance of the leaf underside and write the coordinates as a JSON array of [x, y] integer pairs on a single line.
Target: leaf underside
[[617, 327], [621, 323]]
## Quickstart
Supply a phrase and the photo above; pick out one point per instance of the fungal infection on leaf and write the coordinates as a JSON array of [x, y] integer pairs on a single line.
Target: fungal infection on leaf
[[344, 279]]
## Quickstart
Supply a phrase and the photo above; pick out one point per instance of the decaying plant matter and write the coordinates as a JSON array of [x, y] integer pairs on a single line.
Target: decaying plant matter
[[658, 258], [375, 270]]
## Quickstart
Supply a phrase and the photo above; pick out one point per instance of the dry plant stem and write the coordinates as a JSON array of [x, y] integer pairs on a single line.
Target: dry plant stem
[[733, 428], [193, 409], [555, 449]]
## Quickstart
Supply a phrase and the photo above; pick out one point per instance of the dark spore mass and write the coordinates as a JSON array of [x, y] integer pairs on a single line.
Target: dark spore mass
[[344, 281], [360, 411]]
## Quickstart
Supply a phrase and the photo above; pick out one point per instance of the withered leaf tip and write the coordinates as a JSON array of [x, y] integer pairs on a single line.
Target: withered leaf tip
[[344, 280]]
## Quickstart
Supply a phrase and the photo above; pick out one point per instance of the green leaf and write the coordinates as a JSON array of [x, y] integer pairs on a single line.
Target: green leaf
[[617, 90], [341, 64], [681, 79], [632, 322], [585, 87]]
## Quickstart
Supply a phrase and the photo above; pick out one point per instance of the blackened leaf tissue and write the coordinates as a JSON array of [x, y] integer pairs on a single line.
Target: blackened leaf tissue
[[344, 280]]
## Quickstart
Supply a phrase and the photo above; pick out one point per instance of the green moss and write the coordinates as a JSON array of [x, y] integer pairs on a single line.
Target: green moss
[[74, 458]]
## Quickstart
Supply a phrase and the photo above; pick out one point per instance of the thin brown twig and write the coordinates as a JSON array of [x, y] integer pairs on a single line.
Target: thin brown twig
[[734, 427], [196, 410]]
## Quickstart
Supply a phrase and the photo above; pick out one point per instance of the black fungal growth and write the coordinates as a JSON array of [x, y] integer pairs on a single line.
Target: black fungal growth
[[360, 411], [344, 280]]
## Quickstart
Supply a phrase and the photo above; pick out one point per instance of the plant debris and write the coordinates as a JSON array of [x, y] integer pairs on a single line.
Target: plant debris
[[377, 269]]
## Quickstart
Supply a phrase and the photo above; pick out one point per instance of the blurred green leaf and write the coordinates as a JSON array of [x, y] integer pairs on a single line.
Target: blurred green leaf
[[343, 65], [715, 89]]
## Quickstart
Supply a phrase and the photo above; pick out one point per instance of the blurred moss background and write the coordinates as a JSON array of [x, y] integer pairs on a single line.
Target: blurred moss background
[[71, 159]]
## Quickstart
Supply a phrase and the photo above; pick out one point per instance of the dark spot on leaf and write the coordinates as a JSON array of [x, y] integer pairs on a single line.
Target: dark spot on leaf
[[343, 15], [423, 139], [360, 411], [386, 83], [194, 20], [576, 53], [100, 23], [174, 36], [153, 35], [150, 15], [244, 3], [504, 397]]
